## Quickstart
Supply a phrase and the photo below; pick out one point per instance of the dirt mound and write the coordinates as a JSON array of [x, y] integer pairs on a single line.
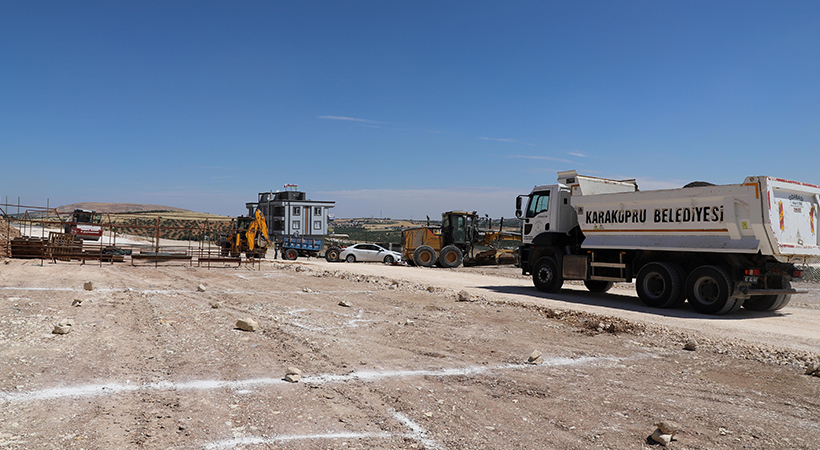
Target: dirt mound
[[116, 207], [7, 233]]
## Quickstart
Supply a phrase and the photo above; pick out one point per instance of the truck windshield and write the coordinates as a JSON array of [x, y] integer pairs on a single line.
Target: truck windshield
[[539, 202]]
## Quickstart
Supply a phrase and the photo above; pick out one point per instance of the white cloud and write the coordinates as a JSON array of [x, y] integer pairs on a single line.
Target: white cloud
[[349, 119], [580, 155]]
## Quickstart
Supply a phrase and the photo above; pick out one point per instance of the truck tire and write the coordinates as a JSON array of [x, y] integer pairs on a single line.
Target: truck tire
[[290, 254], [450, 256], [659, 285], [770, 302], [424, 256], [545, 275], [598, 285], [709, 290], [332, 254]]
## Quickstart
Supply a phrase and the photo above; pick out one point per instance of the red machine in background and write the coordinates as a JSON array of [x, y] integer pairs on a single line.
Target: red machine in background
[[85, 224]]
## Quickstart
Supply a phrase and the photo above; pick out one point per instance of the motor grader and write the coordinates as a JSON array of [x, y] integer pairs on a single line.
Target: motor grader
[[456, 242], [248, 235]]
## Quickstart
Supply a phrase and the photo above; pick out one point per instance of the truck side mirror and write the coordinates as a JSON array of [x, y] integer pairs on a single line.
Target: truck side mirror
[[518, 207]]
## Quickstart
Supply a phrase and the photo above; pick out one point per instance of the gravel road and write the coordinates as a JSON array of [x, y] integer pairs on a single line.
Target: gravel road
[[796, 327]]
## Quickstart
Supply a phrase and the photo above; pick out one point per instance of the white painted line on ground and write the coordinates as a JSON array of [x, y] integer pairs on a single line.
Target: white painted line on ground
[[90, 390], [230, 443], [93, 390], [451, 372], [12, 288], [416, 433], [350, 323]]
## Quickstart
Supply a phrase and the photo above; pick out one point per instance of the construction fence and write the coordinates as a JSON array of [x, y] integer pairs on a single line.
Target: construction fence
[[43, 233]]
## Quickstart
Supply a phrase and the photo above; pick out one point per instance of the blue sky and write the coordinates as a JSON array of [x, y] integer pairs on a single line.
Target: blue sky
[[399, 109]]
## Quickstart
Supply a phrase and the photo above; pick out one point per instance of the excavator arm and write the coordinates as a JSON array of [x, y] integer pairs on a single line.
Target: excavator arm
[[257, 228]]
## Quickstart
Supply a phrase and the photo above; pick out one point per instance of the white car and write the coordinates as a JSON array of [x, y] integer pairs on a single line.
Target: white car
[[369, 252]]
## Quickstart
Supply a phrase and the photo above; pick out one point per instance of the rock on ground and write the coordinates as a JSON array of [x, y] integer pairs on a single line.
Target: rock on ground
[[247, 324]]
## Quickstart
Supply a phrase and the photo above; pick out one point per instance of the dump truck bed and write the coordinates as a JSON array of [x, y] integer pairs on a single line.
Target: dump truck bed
[[763, 214]]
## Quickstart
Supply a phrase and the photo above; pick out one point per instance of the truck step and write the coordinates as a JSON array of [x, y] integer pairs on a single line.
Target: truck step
[[617, 279], [610, 265]]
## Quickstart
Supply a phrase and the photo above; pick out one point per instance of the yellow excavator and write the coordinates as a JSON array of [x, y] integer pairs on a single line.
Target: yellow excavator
[[248, 236]]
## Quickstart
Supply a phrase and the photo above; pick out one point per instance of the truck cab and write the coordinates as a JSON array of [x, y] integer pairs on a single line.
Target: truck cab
[[547, 222], [548, 211], [459, 228], [550, 220]]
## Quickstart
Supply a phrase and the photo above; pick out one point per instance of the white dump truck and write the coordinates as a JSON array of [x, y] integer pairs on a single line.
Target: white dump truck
[[719, 247]]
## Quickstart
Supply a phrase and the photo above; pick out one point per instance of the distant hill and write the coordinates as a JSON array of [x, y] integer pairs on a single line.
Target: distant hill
[[116, 207]]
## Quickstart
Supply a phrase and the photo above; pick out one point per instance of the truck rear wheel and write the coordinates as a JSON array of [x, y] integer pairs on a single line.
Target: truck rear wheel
[[450, 256], [290, 254], [770, 302], [424, 256], [709, 290], [545, 275], [659, 285], [598, 285]]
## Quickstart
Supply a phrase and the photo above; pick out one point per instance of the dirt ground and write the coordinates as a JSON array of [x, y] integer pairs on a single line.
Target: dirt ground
[[7, 233], [154, 360]]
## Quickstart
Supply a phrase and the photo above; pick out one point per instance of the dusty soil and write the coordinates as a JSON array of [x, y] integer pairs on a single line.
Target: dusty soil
[[7, 233], [153, 362]]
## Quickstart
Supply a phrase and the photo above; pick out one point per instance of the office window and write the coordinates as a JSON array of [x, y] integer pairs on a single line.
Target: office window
[[317, 211], [297, 210], [317, 224]]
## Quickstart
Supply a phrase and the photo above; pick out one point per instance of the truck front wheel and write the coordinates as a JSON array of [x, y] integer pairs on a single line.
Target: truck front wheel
[[709, 290], [290, 254], [545, 275], [659, 285]]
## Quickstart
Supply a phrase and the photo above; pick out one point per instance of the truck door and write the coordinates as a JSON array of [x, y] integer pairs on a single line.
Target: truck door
[[457, 224], [536, 217]]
